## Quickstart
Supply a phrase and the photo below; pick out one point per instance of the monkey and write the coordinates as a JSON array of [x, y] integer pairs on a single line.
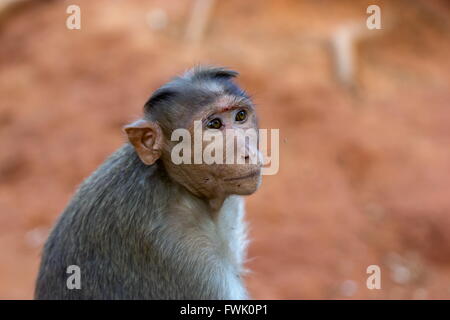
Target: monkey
[[143, 227]]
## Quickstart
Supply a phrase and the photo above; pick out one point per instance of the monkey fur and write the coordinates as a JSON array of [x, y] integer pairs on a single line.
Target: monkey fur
[[141, 227]]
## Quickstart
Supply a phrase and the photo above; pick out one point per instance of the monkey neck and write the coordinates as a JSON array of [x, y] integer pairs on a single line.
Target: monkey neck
[[216, 204], [212, 195], [212, 202]]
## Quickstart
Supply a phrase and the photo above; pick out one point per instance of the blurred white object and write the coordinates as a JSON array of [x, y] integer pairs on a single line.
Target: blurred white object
[[199, 20], [400, 274], [344, 42], [157, 19], [343, 50], [348, 288], [36, 237]]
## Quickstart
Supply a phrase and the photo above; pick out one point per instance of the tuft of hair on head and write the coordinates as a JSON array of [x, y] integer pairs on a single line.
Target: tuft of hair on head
[[193, 85], [161, 94], [209, 72]]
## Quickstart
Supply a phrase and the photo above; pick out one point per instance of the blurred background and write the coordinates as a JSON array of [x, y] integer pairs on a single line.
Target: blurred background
[[363, 115]]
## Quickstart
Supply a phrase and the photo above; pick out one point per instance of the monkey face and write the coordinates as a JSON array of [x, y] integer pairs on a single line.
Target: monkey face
[[223, 155], [203, 129], [234, 133]]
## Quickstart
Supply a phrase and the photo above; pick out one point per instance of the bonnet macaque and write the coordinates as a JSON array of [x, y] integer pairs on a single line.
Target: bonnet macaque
[[144, 227]]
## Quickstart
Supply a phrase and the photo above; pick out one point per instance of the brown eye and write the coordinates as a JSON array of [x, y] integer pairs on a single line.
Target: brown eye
[[241, 115], [214, 124]]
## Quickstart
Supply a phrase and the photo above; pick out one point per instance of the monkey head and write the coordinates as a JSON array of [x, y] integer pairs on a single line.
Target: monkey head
[[219, 128]]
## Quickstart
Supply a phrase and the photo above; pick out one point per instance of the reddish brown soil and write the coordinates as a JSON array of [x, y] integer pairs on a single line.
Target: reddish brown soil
[[364, 175]]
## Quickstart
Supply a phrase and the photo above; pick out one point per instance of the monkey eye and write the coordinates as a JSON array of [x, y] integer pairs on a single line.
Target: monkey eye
[[214, 124], [241, 115]]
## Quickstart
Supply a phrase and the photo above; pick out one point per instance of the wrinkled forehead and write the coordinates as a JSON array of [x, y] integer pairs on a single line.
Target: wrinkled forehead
[[222, 104], [179, 104], [203, 104]]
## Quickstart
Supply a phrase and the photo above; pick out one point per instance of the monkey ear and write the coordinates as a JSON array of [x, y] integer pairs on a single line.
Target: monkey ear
[[146, 137]]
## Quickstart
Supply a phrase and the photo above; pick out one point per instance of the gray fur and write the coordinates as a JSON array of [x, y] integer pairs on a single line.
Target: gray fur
[[137, 234], [130, 245]]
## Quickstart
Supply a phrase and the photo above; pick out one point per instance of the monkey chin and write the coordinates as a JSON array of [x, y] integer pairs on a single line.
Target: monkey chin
[[245, 185]]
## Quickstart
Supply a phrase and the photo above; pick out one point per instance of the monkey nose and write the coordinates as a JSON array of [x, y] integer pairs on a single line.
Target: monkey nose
[[250, 157]]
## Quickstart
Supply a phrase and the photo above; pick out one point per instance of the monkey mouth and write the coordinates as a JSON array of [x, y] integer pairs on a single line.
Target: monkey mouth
[[250, 175]]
